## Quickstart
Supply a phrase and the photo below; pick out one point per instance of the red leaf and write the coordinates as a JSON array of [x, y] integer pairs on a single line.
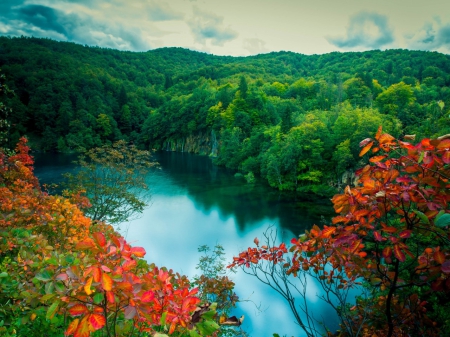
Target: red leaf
[[107, 282], [138, 251], [100, 239], [446, 267], [78, 310], [405, 234], [365, 149], [399, 253], [377, 236], [446, 157], [72, 327], [147, 296], [256, 241], [97, 321]]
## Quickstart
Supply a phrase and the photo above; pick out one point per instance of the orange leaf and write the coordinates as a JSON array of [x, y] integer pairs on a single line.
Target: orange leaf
[[439, 257], [387, 252], [172, 328], [380, 129], [129, 264], [78, 310], [72, 327], [399, 253], [97, 321], [110, 297], [327, 231], [97, 274], [87, 243], [138, 251], [365, 149], [107, 282], [376, 159], [444, 144], [87, 287], [83, 328], [385, 138]]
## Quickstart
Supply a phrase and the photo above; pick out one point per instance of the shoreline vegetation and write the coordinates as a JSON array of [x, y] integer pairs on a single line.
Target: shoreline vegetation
[[292, 120]]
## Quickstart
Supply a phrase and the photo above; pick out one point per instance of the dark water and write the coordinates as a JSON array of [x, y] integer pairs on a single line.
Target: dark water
[[196, 203]]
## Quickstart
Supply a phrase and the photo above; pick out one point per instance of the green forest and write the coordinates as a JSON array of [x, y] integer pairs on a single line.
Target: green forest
[[294, 120]]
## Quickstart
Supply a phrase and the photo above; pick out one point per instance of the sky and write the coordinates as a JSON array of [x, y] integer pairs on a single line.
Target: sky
[[235, 27]]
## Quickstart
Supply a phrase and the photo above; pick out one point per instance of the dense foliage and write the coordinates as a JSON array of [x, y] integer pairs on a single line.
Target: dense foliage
[[62, 273], [293, 119], [390, 241]]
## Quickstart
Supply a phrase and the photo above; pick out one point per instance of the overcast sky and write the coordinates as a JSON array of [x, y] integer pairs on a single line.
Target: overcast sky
[[235, 27]]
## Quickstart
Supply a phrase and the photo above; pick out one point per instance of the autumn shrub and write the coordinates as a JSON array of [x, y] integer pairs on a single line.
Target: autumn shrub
[[61, 272], [390, 241]]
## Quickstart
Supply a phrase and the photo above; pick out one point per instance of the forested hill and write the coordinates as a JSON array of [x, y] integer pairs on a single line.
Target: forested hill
[[293, 119]]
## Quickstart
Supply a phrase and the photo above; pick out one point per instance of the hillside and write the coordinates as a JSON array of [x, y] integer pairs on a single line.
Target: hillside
[[293, 119]]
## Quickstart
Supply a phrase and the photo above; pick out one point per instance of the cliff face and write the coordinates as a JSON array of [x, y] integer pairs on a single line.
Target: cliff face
[[202, 143]]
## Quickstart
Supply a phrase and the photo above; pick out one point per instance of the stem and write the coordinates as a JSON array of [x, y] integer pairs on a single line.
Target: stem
[[389, 301]]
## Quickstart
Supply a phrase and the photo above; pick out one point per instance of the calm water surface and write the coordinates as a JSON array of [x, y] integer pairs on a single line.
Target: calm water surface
[[195, 203]]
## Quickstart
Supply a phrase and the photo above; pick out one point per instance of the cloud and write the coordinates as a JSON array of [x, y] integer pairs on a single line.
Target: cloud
[[433, 35], [255, 46], [89, 24], [208, 26], [43, 17], [163, 12], [366, 30]]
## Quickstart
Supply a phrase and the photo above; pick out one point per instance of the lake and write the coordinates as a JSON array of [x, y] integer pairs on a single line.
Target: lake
[[196, 203]]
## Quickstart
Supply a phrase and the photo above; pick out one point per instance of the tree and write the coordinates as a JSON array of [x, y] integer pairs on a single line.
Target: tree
[[391, 233], [113, 177], [61, 273]]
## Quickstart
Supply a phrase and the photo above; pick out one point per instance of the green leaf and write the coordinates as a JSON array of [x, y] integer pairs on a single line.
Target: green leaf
[[59, 286], [207, 328], [422, 217], [209, 314], [25, 294], [52, 310], [422, 154], [443, 220], [163, 318], [193, 333], [98, 298], [44, 276], [3, 274], [47, 297], [52, 261], [49, 288]]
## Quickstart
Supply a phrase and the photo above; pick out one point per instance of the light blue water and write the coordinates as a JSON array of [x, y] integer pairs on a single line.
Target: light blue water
[[195, 203]]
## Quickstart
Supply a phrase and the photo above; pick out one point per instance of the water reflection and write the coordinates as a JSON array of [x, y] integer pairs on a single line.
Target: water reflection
[[196, 203]]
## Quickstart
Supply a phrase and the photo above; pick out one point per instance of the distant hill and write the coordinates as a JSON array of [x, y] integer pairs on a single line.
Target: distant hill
[[246, 110]]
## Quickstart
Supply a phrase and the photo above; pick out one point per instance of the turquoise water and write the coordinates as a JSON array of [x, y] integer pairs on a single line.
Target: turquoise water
[[196, 203]]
